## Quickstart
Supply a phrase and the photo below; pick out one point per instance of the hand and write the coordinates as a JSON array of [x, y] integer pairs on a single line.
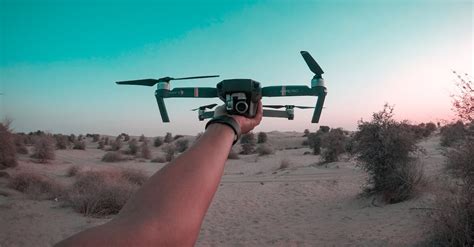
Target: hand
[[246, 124]]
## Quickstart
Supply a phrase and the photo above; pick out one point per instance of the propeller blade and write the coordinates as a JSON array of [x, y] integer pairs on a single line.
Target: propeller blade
[[142, 82], [312, 64], [205, 107], [273, 106], [194, 77]]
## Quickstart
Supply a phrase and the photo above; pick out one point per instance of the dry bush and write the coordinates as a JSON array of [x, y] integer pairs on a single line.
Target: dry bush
[[169, 150], [452, 134], [248, 143], [134, 176], [20, 144], [124, 137], [116, 145], [101, 144], [43, 150], [384, 149], [7, 147], [35, 185], [168, 138], [62, 141], [463, 103], [145, 150], [142, 138], [306, 132], [334, 144], [112, 157], [262, 137], [284, 163], [95, 137], [100, 193], [324, 129], [106, 141], [233, 155], [71, 138], [176, 137], [133, 147], [73, 171], [79, 145], [182, 145], [159, 159], [453, 218], [264, 149], [158, 142]]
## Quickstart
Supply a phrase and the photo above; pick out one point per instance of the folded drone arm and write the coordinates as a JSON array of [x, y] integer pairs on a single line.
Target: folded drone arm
[[281, 91], [188, 92]]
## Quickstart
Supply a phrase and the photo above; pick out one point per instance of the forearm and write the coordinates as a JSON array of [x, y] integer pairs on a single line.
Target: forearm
[[169, 208]]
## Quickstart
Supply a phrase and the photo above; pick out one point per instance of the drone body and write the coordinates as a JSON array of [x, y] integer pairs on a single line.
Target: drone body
[[241, 96]]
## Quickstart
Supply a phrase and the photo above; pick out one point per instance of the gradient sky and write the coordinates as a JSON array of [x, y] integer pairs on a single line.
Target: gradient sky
[[59, 59]]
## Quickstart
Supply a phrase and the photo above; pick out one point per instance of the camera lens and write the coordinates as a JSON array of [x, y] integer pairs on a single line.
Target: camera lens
[[241, 107]]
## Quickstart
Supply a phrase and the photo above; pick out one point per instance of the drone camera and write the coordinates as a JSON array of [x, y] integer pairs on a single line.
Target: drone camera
[[240, 96]]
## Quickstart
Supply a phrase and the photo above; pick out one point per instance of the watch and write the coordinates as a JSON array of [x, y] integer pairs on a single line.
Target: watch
[[229, 121]]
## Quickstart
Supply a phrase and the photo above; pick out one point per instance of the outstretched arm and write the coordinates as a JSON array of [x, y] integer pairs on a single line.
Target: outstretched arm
[[169, 208]]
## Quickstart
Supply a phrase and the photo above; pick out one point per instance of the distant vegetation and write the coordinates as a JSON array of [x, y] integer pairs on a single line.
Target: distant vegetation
[[7, 147], [248, 143]]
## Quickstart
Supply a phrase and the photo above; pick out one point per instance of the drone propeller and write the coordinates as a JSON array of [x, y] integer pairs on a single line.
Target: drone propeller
[[152, 82], [205, 107], [312, 64], [288, 106]]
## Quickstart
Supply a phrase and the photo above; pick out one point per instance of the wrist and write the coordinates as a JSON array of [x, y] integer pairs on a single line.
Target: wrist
[[227, 122]]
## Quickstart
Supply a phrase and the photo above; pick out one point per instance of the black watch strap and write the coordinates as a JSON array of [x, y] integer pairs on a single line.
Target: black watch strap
[[229, 121]]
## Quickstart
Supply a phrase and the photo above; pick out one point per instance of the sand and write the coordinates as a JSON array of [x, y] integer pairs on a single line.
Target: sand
[[257, 204]]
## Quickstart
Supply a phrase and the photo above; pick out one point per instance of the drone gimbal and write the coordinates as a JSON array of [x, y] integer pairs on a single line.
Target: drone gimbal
[[241, 96]]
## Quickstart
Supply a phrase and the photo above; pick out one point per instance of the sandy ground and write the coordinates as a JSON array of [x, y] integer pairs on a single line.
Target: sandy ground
[[257, 203]]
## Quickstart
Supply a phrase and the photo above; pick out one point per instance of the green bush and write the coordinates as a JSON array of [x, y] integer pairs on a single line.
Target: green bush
[[383, 149], [334, 144]]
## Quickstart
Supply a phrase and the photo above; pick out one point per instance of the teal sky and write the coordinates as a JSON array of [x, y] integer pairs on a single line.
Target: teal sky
[[59, 59]]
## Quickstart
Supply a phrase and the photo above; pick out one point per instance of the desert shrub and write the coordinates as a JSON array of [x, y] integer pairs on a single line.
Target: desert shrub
[[20, 144], [100, 193], [384, 147], [306, 132], [116, 145], [169, 150], [168, 138], [73, 171], [132, 147], [125, 137], [158, 142], [248, 143], [264, 149], [324, 129], [262, 137], [430, 128], [80, 137], [233, 155], [101, 144], [182, 145], [334, 144], [145, 150], [7, 147], [35, 185], [159, 159], [4, 174], [79, 145], [452, 134], [62, 141], [461, 162], [71, 138], [43, 150], [142, 138], [106, 141], [134, 176], [95, 137], [463, 103], [112, 157], [351, 145], [314, 142], [284, 163], [176, 137]]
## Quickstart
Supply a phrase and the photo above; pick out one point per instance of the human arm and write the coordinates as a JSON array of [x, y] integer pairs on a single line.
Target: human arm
[[169, 208]]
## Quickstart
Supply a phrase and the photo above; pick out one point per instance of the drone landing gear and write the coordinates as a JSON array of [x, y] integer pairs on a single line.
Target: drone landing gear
[[288, 113]]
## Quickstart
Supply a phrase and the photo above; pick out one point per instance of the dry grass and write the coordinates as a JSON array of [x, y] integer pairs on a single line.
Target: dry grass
[[35, 185], [73, 171], [102, 193]]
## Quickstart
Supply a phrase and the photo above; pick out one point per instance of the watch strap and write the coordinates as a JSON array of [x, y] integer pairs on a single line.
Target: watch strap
[[229, 121]]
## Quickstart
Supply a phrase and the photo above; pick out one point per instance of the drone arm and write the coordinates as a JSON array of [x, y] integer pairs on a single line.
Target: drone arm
[[319, 105], [206, 115], [189, 92], [162, 107], [281, 91]]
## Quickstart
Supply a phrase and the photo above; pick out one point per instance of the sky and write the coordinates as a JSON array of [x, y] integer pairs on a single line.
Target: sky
[[59, 59]]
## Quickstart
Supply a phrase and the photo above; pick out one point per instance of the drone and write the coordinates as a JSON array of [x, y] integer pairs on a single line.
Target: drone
[[240, 96]]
